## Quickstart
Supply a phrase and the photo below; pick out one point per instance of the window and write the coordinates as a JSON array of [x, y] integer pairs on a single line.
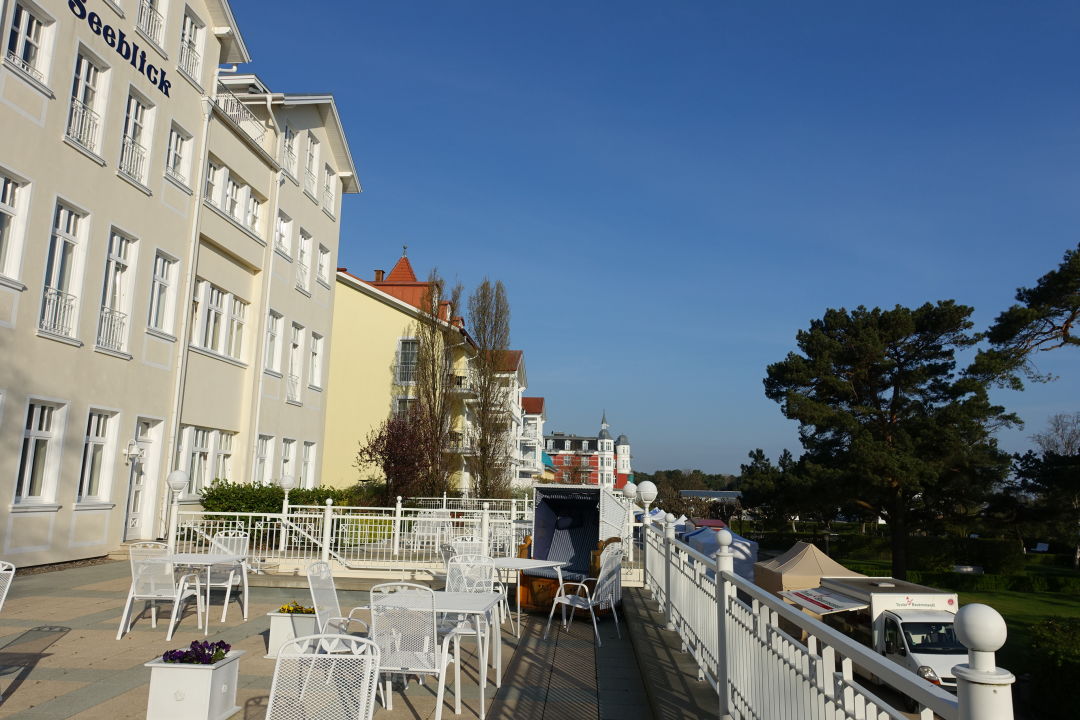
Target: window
[[162, 295], [402, 405], [283, 234], [133, 150], [273, 339], [323, 271], [150, 20], [190, 37], [234, 338], [232, 198], [112, 325], [10, 195], [287, 448], [311, 162], [59, 305], [307, 466], [93, 459], [215, 308], [39, 439], [83, 121], [253, 212], [213, 187], [316, 360], [288, 151], [176, 157], [303, 257], [296, 362], [329, 178], [264, 458], [408, 352], [223, 456], [25, 42], [198, 445]]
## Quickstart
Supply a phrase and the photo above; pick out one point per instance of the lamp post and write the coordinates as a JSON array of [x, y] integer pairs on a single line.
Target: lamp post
[[629, 492], [646, 492], [177, 482], [287, 483]]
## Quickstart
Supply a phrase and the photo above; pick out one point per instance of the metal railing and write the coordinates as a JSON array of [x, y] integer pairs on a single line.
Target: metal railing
[[132, 159], [190, 59], [302, 275], [292, 383], [288, 159], [310, 182], [150, 21], [328, 195], [238, 113], [766, 659], [25, 67], [279, 242], [112, 329], [83, 124], [58, 312], [175, 174]]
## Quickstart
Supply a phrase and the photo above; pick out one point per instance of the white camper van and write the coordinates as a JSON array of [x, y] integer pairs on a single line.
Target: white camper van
[[910, 624]]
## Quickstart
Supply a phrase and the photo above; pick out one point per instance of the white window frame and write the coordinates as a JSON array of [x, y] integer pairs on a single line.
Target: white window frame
[[68, 231], [303, 261], [223, 450], [233, 198], [201, 452], [413, 346], [283, 235], [52, 435], [311, 164], [218, 321], [162, 294], [322, 272], [177, 155], [14, 197], [98, 442], [295, 370], [89, 91], [315, 364], [191, 38], [212, 188], [37, 69], [307, 466], [264, 460], [136, 140], [252, 211], [289, 159], [328, 197], [234, 336], [288, 457], [114, 320], [274, 341]]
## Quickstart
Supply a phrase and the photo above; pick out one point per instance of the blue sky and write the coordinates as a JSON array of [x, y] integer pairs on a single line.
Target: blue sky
[[670, 191]]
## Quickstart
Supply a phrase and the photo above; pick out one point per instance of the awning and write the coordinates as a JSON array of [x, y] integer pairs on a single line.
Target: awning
[[822, 601]]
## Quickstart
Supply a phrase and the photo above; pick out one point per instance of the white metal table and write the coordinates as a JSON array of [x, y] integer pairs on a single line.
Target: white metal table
[[201, 559], [515, 564], [475, 605]]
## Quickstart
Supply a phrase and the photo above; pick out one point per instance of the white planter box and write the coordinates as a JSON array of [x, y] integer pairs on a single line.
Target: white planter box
[[286, 626], [179, 691]]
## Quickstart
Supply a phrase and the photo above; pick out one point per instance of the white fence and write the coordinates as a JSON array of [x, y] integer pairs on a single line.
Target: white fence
[[767, 660]]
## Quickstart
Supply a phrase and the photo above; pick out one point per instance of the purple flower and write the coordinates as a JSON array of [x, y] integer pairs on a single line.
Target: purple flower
[[200, 653]]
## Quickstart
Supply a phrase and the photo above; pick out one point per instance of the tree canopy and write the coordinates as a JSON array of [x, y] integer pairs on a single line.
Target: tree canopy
[[886, 419]]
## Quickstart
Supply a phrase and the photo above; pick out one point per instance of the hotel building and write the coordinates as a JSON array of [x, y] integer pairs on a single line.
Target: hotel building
[[167, 234]]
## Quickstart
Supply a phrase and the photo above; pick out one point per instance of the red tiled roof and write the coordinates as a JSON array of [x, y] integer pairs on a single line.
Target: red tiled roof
[[509, 361], [533, 405], [402, 272]]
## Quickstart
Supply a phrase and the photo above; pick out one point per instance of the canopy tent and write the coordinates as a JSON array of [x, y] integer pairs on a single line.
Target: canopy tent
[[705, 541], [800, 568]]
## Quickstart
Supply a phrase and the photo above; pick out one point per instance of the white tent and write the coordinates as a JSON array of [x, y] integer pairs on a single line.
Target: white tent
[[704, 540]]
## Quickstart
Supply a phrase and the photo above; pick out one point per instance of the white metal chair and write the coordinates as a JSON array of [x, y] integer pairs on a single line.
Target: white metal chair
[[474, 546], [475, 574], [154, 580], [7, 576], [406, 632], [230, 575], [325, 600], [428, 528], [329, 677], [604, 592]]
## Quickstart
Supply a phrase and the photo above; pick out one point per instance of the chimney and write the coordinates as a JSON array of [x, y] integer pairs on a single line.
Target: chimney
[[379, 275]]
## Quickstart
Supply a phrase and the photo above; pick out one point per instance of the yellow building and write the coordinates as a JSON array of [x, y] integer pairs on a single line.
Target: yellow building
[[373, 363]]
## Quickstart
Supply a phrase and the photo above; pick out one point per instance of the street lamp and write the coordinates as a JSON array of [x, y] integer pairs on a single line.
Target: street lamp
[[177, 482], [287, 483], [646, 492], [629, 491]]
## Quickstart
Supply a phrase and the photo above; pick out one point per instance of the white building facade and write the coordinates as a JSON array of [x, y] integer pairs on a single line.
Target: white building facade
[[138, 271]]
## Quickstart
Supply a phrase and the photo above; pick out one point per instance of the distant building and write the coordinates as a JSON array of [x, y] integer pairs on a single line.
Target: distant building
[[591, 460], [531, 443]]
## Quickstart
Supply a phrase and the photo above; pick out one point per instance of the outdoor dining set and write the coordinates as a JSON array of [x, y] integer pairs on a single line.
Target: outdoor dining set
[[406, 630]]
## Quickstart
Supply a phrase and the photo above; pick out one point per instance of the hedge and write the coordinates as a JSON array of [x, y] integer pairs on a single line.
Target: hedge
[[1056, 665], [225, 496], [967, 582]]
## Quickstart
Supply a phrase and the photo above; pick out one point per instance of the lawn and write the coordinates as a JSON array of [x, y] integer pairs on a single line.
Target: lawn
[[1021, 612]]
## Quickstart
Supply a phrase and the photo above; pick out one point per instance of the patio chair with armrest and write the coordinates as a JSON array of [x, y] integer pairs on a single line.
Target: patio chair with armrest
[[475, 574], [230, 575], [604, 592], [324, 598], [474, 546], [330, 677], [154, 581]]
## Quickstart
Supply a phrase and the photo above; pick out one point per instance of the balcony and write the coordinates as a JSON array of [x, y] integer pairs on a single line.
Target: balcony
[[112, 330], [176, 175], [150, 21], [58, 312], [83, 124], [292, 385], [190, 59], [462, 385], [458, 444], [133, 160], [239, 114], [25, 67]]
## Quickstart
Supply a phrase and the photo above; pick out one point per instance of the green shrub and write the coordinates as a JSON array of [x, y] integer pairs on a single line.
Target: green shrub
[[225, 496], [1055, 643]]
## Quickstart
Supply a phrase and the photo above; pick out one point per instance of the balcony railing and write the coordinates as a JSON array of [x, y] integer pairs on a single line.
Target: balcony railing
[[310, 182], [190, 59], [292, 387], [328, 196], [150, 21], [83, 125], [175, 174], [238, 113], [112, 329], [133, 159], [280, 244], [302, 275], [25, 67], [58, 312], [288, 159]]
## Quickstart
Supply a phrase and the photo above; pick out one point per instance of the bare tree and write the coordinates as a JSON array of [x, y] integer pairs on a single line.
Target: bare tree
[[489, 325], [437, 339], [1062, 435]]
